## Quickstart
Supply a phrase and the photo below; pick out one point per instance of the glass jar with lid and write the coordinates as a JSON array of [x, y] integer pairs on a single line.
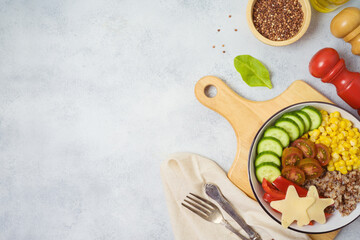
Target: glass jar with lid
[[327, 5]]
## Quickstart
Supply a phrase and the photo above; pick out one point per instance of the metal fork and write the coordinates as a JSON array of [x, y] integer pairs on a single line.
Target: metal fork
[[208, 211]]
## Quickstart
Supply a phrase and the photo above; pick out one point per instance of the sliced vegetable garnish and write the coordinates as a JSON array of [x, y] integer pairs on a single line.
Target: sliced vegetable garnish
[[298, 120], [305, 117], [282, 184], [270, 144], [267, 156], [314, 115], [269, 171], [293, 174], [322, 154], [270, 189], [290, 127], [279, 134], [306, 146], [311, 167], [291, 156]]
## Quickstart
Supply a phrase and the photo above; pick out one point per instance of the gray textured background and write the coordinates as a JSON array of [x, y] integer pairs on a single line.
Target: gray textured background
[[95, 94]]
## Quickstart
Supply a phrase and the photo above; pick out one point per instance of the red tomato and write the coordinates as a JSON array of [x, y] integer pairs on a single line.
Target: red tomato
[[271, 189], [291, 156], [322, 154], [293, 174], [311, 167], [282, 184], [306, 146]]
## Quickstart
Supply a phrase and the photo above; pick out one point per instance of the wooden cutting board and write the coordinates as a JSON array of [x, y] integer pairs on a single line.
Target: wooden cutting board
[[246, 117]]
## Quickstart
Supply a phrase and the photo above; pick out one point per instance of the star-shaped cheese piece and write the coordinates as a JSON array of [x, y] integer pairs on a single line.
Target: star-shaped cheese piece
[[293, 208], [316, 211]]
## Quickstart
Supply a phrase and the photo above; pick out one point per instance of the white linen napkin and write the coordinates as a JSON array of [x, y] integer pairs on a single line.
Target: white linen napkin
[[185, 172]]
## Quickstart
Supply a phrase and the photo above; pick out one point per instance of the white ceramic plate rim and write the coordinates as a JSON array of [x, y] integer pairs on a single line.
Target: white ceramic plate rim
[[336, 221]]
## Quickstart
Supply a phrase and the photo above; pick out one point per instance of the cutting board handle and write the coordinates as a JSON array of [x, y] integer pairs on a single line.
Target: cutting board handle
[[227, 103]]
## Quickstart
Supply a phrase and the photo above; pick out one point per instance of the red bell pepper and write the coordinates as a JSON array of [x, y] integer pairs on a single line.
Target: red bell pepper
[[271, 190], [268, 198], [277, 191], [282, 184]]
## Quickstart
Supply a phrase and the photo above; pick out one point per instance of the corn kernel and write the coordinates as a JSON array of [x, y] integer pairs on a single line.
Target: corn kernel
[[349, 168], [342, 163], [341, 148], [351, 133], [335, 155], [336, 114], [323, 112], [341, 136], [337, 165], [328, 130], [316, 133], [347, 145], [334, 127], [331, 168], [349, 162], [343, 124], [353, 150], [321, 129], [331, 163], [353, 142]]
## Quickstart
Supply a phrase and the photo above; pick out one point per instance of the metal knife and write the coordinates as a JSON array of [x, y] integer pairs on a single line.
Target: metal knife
[[214, 192]]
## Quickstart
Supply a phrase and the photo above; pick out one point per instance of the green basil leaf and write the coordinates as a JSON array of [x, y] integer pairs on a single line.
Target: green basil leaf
[[252, 71]]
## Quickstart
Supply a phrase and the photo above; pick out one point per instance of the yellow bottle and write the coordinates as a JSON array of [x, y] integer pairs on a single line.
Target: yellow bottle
[[326, 6]]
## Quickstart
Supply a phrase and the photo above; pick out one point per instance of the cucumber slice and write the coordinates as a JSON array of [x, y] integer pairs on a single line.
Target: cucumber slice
[[314, 115], [270, 144], [305, 117], [267, 156], [278, 133], [297, 119], [269, 171], [290, 127]]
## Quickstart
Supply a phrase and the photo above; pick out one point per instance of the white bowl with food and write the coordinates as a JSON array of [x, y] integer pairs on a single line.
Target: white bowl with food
[[337, 178]]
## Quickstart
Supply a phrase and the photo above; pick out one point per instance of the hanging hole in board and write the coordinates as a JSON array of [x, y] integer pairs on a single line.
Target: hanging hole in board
[[210, 91]]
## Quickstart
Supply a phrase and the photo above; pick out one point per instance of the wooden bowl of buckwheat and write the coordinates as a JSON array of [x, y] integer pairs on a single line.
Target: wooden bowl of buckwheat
[[278, 22]]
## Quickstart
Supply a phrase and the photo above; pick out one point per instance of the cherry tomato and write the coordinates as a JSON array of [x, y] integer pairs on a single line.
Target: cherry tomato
[[322, 154], [271, 189], [293, 174], [291, 156], [311, 167], [306, 146]]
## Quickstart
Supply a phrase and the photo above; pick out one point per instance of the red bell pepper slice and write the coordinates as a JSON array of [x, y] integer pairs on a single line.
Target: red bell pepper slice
[[271, 190], [282, 184], [268, 198]]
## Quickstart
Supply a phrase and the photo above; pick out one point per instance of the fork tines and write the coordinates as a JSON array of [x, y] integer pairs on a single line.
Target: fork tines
[[200, 206]]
